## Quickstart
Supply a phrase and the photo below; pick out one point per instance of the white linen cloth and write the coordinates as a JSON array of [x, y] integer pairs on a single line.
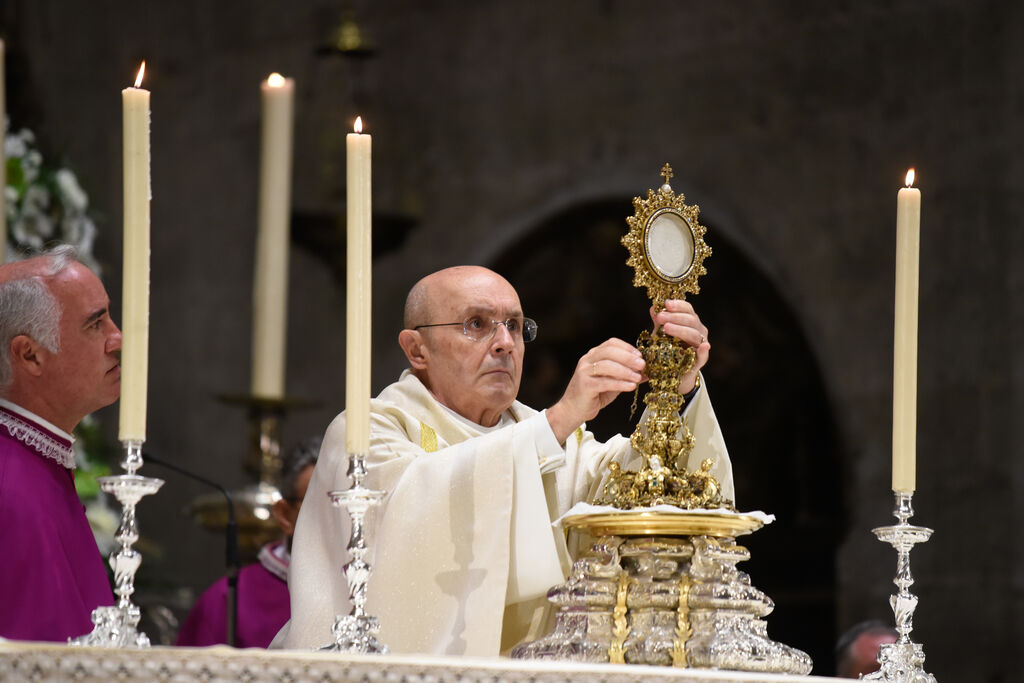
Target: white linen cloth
[[591, 509]]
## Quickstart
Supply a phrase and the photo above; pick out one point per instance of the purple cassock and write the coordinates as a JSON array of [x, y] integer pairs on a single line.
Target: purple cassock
[[53, 576], [263, 606]]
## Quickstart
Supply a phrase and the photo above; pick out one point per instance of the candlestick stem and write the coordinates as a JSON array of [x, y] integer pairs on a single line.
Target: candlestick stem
[[265, 454], [262, 461], [902, 661], [132, 456], [115, 627], [357, 631]]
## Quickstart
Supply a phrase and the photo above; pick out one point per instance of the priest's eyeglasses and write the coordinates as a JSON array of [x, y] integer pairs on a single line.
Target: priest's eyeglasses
[[480, 329]]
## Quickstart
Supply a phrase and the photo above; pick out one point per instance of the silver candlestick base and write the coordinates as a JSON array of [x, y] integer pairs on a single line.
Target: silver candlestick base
[[357, 631], [115, 627], [902, 661]]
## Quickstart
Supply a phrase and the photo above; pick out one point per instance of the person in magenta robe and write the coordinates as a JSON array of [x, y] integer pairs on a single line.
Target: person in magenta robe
[[59, 361], [263, 599]]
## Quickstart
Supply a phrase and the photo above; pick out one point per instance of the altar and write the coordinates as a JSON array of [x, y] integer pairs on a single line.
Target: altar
[[23, 662]]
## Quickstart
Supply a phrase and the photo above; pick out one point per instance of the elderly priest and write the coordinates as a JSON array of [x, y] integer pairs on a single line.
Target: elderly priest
[[464, 550], [59, 362]]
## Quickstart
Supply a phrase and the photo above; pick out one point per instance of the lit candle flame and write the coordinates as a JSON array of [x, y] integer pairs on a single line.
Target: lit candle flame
[[275, 80], [142, 70], [910, 177], [358, 127]]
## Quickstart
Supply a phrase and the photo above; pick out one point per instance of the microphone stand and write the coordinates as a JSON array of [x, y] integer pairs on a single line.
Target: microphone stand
[[230, 543]]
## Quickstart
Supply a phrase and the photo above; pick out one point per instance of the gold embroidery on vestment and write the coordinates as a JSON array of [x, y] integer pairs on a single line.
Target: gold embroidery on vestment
[[428, 438]]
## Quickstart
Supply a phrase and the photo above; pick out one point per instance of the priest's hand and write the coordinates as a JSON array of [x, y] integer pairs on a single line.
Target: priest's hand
[[602, 374], [681, 321]]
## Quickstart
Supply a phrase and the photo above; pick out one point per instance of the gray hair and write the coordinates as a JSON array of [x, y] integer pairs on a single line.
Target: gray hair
[[295, 461], [28, 307], [58, 258]]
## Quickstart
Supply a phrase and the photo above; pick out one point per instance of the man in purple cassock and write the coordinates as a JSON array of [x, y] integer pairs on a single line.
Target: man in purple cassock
[[263, 599], [59, 361], [263, 604]]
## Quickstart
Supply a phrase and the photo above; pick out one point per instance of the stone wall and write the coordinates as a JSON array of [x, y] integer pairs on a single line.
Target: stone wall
[[791, 124]]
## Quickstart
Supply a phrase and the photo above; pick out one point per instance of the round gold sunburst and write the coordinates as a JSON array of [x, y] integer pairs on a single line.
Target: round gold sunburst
[[666, 244]]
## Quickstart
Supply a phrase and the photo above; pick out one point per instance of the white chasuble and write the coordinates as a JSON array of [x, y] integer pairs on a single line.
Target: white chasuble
[[463, 539]]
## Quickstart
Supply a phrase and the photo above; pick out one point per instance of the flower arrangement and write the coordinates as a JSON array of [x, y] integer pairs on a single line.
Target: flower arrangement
[[43, 204]]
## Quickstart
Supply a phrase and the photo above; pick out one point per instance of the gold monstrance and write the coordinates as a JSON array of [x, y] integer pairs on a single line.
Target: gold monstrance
[[660, 585], [667, 252]]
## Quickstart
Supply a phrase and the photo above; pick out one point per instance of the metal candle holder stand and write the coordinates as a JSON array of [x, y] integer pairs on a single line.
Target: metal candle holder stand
[[357, 631], [902, 661], [116, 626], [263, 462], [266, 417]]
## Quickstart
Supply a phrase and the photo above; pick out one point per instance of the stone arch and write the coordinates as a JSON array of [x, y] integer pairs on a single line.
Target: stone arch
[[768, 391]]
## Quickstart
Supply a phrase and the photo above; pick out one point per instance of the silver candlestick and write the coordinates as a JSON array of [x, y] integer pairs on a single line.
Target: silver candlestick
[[357, 631], [115, 626], [902, 661]]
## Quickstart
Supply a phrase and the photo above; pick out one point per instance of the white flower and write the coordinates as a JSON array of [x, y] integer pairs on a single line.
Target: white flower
[[71, 191], [87, 236], [31, 164], [15, 146], [71, 229], [36, 200], [78, 229], [44, 204], [26, 230]]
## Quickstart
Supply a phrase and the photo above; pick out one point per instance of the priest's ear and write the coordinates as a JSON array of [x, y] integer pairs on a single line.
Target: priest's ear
[[415, 350], [26, 355]]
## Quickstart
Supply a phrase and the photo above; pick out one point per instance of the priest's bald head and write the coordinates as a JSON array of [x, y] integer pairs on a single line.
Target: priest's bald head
[[60, 350], [464, 337]]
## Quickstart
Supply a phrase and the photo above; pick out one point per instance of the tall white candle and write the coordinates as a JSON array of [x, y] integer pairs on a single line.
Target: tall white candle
[[358, 280], [135, 294], [3, 161], [270, 281], [904, 395]]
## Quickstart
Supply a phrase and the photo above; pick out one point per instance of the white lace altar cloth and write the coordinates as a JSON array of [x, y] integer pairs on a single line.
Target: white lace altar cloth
[[21, 662], [591, 509]]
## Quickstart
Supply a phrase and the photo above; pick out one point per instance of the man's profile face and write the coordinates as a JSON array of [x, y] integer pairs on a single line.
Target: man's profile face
[[286, 511], [477, 379], [86, 371]]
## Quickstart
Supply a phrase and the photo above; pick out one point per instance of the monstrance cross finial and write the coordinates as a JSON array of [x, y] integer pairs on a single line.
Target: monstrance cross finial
[[666, 173]]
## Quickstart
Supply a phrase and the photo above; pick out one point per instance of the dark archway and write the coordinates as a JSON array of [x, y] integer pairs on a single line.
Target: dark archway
[[572, 277]]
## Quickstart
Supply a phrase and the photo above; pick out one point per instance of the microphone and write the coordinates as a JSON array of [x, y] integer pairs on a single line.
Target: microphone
[[230, 542]]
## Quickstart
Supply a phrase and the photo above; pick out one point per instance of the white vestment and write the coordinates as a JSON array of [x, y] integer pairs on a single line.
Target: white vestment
[[465, 533]]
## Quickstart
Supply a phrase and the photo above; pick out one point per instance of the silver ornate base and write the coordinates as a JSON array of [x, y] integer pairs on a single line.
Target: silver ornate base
[[116, 627], [356, 635], [113, 627], [902, 661], [668, 601], [356, 632]]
